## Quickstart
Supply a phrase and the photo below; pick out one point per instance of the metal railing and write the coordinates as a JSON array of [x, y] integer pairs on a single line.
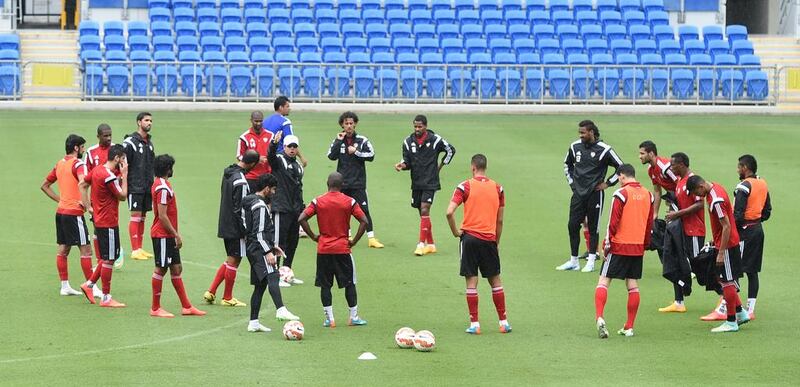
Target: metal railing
[[429, 83]]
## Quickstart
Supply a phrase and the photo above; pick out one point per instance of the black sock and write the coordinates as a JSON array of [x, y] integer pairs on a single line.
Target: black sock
[[350, 295], [275, 289], [752, 285], [325, 296], [255, 299], [739, 309], [678, 289]]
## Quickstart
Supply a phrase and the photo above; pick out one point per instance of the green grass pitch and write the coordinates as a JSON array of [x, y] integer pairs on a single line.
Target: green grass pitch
[[49, 339]]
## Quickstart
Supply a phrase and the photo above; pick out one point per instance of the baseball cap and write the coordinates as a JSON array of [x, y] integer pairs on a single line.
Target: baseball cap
[[291, 139]]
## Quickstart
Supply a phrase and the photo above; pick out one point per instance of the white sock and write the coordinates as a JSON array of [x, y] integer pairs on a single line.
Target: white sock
[[573, 259], [370, 234], [65, 284], [678, 302], [591, 258], [328, 312], [254, 323], [474, 324], [503, 322], [723, 307], [106, 297], [354, 312], [281, 309], [421, 244], [751, 305]]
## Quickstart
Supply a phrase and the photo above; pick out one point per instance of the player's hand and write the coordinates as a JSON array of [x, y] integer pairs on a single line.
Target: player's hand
[[670, 216], [721, 258], [399, 167], [278, 251], [351, 149], [263, 159], [606, 248], [458, 233], [314, 237], [123, 169], [271, 259], [89, 208], [601, 186], [351, 242], [340, 136], [277, 138], [178, 241]]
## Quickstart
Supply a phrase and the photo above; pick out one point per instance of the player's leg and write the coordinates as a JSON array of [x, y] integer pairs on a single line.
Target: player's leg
[[259, 287], [136, 206], [587, 237], [727, 274], [692, 244], [469, 270], [157, 284], [230, 279], [633, 306], [68, 233], [577, 213], [84, 246], [273, 279], [176, 269], [107, 268], [416, 202], [601, 296], [489, 265], [324, 280], [62, 265], [752, 247], [292, 239], [593, 213], [345, 273], [363, 200]]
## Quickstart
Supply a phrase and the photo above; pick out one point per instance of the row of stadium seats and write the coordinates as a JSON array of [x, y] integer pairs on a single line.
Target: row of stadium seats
[[9, 64], [315, 82]]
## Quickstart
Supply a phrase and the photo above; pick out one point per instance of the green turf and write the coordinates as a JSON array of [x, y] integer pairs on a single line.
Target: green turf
[[49, 339]]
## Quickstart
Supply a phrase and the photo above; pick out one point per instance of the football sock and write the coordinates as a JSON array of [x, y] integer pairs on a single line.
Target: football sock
[[752, 285], [328, 310], [61, 265], [587, 236], [592, 257], [105, 275], [354, 312], [86, 266], [140, 231], [177, 283], [230, 279], [370, 234], [133, 230], [218, 277], [729, 292], [424, 228], [633, 307], [573, 259], [751, 305], [255, 300], [157, 282], [499, 298], [96, 274], [350, 295], [472, 304], [600, 297], [65, 284], [96, 246], [274, 288], [678, 290], [722, 307]]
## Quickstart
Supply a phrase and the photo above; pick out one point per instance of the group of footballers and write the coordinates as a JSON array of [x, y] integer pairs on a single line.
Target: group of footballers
[[737, 233]]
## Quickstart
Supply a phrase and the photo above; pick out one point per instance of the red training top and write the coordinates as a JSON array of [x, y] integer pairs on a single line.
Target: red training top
[[661, 174], [694, 224], [333, 210], [719, 206], [162, 193], [260, 143], [105, 193]]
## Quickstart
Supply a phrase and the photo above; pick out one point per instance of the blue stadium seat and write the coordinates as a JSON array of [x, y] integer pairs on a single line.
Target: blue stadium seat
[[469, 17], [379, 45], [407, 58], [639, 32], [436, 83], [253, 4], [475, 46], [500, 46], [191, 80], [606, 5], [323, 16], [424, 31], [376, 31], [495, 31], [277, 4], [241, 81], [633, 81], [211, 43], [645, 46], [329, 45], [374, 16], [414, 5], [682, 84], [629, 5], [452, 46], [118, 79], [608, 83], [216, 80], [164, 56], [289, 81], [539, 18], [183, 15], [510, 83], [601, 59], [718, 47], [442, 16], [757, 85], [621, 46], [278, 15], [228, 4], [300, 4], [399, 31], [487, 5], [742, 47], [265, 81], [283, 45], [371, 5], [559, 83], [261, 57], [89, 27], [302, 15], [632, 18], [732, 84], [663, 32], [280, 30], [160, 15], [712, 33], [543, 31], [306, 45], [516, 18], [559, 5], [363, 83], [141, 56], [382, 58], [207, 15], [658, 18], [504, 58], [615, 32], [578, 59], [460, 83], [591, 32], [549, 46], [355, 45], [518, 31], [114, 42], [158, 3], [86, 55], [534, 83], [89, 42], [652, 5], [627, 59], [259, 30], [447, 31], [338, 81], [324, 4], [582, 5], [232, 29], [725, 62], [328, 30], [141, 79], [596, 46], [352, 30], [479, 58], [431, 58], [411, 82], [707, 84], [492, 17], [334, 57], [691, 47], [659, 85], [388, 81], [113, 27], [116, 56], [253, 15], [358, 58], [563, 17], [137, 28], [235, 43], [163, 43], [586, 18], [736, 32], [572, 46], [565, 32], [404, 45], [687, 32], [397, 16], [455, 58], [750, 61], [185, 28], [667, 47], [551, 60], [349, 16], [675, 60], [93, 76], [485, 83], [213, 56], [522, 46], [610, 18], [286, 57], [471, 31], [166, 79], [582, 83]]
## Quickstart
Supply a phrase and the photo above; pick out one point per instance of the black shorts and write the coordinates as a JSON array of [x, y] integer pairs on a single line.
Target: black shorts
[[419, 196], [752, 247], [340, 266], [259, 268], [478, 254], [693, 244], [71, 230], [622, 267], [166, 252], [107, 242], [360, 196], [235, 248], [141, 202], [731, 268]]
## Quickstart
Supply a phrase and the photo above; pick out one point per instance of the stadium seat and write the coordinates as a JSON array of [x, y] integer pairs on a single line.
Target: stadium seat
[[450, 46], [543, 31], [163, 43], [251, 4], [300, 4], [329, 45], [522, 46], [621, 46], [137, 28], [700, 60], [566, 32], [534, 83], [510, 83], [549, 46], [516, 18], [283, 45], [535, 5], [326, 16], [582, 83], [539, 18], [388, 81], [376, 31], [113, 27], [610, 18], [591, 32], [682, 84], [118, 79], [563, 18], [278, 15], [411, 82], [166, 80], [585, 18], [645, 46], [232, 29], [659, 85], [578, 59], [606, 5], [349, 16], [158, 3], [414, 5], [235, 44], [691, 47], [265, 81], [436, 83], [302, 15], [652, 5], [596, 46], [633, 81], [582, 5], [724, 62], [632, 18], [460, 83], [639, 32], [712, 33], [749, 63], [732, 85], [616, 32], [261, 57], [742, 47], [707, 84], [674, 60], [379, 45], [324, 4], [516, 32], [736, 32], [209, 29], [757, 85], [185, 28], [211, 43], [572, 46], [164, 56], [658, 18], [114, 42], [485, 83], [338, 80], [372, 5], [497, 46], [559, 83], [663, 32], [718, 47], [559, 5], [183, 15], [443, 16], [668, 47], [475, 46], [608, 83], [629, 5], [455, 58], [229, 4], [687, 32], [253, 15], [141, 79], [289, 81], [89, 42], [495, 31], [241, 81], [352, 30], [160, 15], [480, 58], [86, 55], [116, 56], [277, 4], [93, 80], [191, 80], [382, 58], [207, 15]]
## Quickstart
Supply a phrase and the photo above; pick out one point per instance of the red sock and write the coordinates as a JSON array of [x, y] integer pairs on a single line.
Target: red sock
[[633, 306], [157, 283], [424, 228], [105, 276], [61, 265], [86, 266], [177, 282], [96, 249], [600, 297], [731, 298], [218, 278], [96, 274], [587, 236], [133, 230], [230, 279], [472, 304], [142, 223], [499, 298]]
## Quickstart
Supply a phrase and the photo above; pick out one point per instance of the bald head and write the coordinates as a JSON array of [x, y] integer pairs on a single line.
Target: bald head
[[335, 181], [257, 120]]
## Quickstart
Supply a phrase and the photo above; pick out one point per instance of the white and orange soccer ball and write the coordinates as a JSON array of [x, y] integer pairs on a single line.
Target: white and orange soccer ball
[[293, 330], [286, 273], [404, 338], [424, 341]]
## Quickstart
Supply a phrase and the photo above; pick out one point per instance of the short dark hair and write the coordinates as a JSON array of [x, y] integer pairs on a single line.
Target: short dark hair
[[257, 113], [115, 150], [346, 115], [421, 118], [162, 165], [142, 115], [589, 124], [627, 170], [102, 127], [280, 101], [681, 157], [693, 182], [749, 162], [250, 156], [335, 180], [72, 141], [649, 147], [479, 161], [266, 180]]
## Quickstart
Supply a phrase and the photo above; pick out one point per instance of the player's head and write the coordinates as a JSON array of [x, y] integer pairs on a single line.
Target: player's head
[[116, 154], [335, 181], [747, 166], [144, 121], [266, 185], [679, 163], [104, 135], [348, 121], [282, 105], [162, 166], [588, 131], [626, 173], [250, 159], [257, 120], [291, 145], [420, 124], [74, 144], [697, 186], [478, 163], [647, 152]]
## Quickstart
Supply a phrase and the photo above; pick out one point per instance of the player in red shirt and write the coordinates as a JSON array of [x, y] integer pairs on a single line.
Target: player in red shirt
[[690, 211], [660, 172], [258, 139], [107, 190], [167, 241], [333, 211], [726, 241], [97, 155], [70, 225]]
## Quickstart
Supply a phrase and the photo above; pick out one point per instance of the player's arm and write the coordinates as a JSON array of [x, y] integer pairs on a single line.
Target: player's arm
[[617, 204], [241, 147], [726, 231], [741, 194], [336, 145], [449, 152], [405, 162], [656, 200], [366, 153], [612, 160], [47, 186], [310, 211], [358, 213], [236, 204], [451, 219], [166, 224], [120, 188], [499, 226], [272, 154], [269, 249], [649, 227], [697, 206], [767, 211], [569, 166], [83, 187]]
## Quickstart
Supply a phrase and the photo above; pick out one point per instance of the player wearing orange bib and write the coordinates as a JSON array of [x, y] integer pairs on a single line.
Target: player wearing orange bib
[[484, 202]]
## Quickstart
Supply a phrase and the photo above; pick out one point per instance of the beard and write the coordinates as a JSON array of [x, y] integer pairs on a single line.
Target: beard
[[741, 176], [80, 155]]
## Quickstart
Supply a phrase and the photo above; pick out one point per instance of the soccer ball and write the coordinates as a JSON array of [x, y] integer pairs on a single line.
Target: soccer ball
[[293, 330], [286, 274], [424, 341], [404, 337]]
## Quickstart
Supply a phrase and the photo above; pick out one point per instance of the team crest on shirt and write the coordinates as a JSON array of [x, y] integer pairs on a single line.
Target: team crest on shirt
[[252, 143], [592, 154], [578, 156]]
